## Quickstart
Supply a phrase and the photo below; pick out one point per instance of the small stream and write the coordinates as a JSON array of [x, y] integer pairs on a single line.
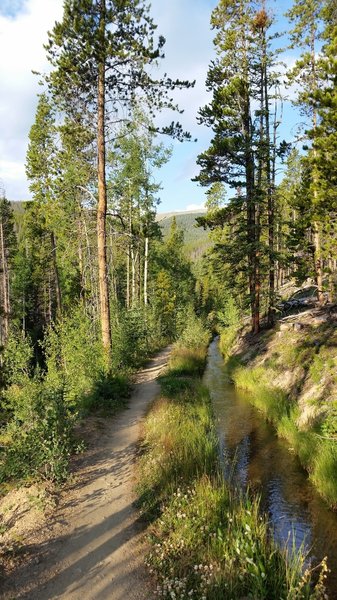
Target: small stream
[[253, 455]]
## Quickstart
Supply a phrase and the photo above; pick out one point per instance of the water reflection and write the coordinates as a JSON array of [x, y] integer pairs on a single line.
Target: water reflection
[[253, 455]]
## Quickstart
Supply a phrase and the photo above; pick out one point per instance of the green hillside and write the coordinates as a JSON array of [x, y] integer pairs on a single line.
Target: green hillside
[[196, 238]]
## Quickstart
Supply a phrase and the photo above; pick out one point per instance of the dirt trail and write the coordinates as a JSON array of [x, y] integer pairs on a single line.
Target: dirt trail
[[93, 549]]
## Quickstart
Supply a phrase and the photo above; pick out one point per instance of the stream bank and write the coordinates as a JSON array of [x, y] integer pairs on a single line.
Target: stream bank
[[207, 541], [253, 456], [291, 375]]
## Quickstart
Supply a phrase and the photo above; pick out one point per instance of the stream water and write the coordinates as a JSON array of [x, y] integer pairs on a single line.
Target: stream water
[[253, 455]]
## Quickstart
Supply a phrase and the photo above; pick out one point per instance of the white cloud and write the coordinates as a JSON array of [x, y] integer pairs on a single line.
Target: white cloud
[[21, 49], [194, 207]]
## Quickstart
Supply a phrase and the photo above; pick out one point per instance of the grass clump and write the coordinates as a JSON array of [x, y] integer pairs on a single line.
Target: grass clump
[[315, 445], [324, 472], [271, 401], [207, 542]]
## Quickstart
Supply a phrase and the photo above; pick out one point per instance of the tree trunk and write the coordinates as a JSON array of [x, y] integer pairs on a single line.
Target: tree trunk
[[315, 228], [56, 276], [5, 292], [128, 276], [102, 204], [270, 192], [318, 267], [146, 254]]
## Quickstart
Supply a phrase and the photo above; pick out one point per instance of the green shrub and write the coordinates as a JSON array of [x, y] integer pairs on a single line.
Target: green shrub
[[109, 393], [74, 356], [228, 336], [39, 446], [194, 334]]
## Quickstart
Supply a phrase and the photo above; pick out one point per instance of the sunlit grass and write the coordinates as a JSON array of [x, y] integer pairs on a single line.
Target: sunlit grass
[[271, 401], [317, 456], [324, 475]]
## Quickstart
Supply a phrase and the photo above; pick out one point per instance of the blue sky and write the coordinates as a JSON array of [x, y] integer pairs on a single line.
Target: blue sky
[[188, 50]]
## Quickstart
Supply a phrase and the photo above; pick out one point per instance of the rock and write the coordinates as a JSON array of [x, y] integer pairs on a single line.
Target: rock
[[320, 319], [298, 326]]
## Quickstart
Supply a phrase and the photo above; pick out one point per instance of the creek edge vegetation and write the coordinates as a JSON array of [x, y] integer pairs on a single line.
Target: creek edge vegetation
[[207, 541]]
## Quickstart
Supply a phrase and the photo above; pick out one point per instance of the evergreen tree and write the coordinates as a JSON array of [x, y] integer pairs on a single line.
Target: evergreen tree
[[243, 151], [101, 53], [8, 248], [305, 35], [41, 171]]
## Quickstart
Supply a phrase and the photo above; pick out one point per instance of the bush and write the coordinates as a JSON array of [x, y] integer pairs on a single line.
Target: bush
[[194, 335], [75, 358], [108, 394], [39, 446]]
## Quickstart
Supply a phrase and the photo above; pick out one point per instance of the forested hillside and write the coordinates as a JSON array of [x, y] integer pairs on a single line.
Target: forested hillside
[[196, 239]]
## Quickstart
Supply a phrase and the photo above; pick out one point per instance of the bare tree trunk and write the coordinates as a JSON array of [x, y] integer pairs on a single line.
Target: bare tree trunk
[[56, 276], [146, 254], [331, 281], [50, 302], [318, 266], [5, 294], [134, 256], [102, 203], [128, 276], [139, 274]]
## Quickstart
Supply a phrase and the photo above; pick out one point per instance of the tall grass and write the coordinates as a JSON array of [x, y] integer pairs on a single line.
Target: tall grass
[[317, 455], [207, 542]]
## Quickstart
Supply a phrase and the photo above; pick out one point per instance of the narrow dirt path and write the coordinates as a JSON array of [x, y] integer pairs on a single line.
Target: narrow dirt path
[[93, 549]]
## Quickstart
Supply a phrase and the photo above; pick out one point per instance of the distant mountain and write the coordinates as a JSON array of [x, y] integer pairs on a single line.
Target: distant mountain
[[18, 206], [196, 238]]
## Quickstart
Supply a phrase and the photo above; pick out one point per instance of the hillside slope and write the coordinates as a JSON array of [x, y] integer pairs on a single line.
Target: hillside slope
[[291, 372], [196, 238]]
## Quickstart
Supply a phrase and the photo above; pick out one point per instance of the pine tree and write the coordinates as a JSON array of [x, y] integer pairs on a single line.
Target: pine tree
[[101, 53], [305, 34], [243, 151], [41, 171], [8, 248]]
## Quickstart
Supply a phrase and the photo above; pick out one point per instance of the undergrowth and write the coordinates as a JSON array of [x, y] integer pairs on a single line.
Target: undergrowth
[[208, 542]]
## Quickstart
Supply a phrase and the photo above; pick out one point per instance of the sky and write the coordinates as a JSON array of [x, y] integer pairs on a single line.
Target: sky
[[188, 52]]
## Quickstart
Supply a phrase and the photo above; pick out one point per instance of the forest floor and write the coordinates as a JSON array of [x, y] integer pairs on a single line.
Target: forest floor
[[91, 544]]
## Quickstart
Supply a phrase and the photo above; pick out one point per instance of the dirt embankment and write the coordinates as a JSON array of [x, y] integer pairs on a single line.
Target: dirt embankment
[[291, 374], [85, 543], [299, 356]]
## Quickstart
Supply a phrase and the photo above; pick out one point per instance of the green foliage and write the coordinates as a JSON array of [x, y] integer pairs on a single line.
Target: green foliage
[[74, 356], [194, 333], [38, 440], [17, 357], [135, 334], [108, 395], [187, 362], [196, 240]]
